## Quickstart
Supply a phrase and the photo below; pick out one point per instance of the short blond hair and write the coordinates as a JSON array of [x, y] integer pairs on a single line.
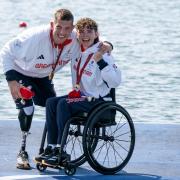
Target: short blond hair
[[63, 14]]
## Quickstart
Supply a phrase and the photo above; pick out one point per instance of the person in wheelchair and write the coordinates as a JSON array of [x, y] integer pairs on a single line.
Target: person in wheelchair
[[94, 73]]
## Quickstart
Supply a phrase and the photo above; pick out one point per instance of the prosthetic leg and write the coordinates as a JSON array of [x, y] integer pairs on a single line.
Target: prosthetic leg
[[25, 118]]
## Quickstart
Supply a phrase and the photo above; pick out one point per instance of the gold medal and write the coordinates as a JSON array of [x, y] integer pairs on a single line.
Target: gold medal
[[51, 75], [77, 87]]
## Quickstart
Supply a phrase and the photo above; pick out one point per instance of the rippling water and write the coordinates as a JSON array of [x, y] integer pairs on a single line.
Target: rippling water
[[146, 39]]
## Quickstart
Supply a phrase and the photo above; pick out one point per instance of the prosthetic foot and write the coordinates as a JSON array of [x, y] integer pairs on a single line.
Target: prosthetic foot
[[23, 160], [25, 119], [22, 157]]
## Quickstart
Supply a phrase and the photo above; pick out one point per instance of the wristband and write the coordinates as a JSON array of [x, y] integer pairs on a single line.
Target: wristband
[[102, 64]]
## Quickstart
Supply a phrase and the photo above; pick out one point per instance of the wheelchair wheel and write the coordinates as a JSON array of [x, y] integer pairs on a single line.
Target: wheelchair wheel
[[115, 141], [41, 167], [73, 143], [70, 171]]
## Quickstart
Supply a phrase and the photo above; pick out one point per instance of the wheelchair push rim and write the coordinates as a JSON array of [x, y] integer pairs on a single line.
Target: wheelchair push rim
[[115, 141]]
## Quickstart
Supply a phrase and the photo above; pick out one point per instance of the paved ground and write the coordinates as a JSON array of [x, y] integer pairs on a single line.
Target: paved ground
[[156, 155]]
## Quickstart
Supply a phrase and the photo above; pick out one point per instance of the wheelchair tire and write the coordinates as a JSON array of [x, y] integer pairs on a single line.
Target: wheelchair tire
[[41, 167], [72, 137], [112, 152], [70, 171]]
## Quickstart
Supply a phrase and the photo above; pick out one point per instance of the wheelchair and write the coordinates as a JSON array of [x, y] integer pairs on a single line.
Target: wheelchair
[[105, 137]]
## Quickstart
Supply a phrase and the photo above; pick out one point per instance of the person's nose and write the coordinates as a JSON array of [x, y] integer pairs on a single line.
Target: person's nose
[[85, 33], [62, 31]]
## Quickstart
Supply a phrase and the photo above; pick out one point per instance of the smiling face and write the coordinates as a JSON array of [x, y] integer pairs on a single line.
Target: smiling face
[[62, 25], [87, 32], [87, 36], [62, 30]]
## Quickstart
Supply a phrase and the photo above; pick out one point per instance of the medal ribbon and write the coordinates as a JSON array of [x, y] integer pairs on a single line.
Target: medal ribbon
[[60, 47], [79, 71], [75, 93]]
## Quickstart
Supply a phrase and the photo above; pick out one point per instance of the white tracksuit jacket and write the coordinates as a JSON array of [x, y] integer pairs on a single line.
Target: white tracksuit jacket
[[95, 82], [31, 53]]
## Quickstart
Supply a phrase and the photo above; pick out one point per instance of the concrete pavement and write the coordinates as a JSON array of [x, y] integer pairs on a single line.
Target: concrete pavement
[[156, 155]]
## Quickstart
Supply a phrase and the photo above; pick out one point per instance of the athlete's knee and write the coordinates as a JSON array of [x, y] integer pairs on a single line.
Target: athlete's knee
[[63, 105], [62, 102], [51, 104], [25, 118], [51, 100]]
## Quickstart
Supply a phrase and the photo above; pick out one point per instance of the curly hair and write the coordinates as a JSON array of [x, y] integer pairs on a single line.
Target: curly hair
[[86, 22]]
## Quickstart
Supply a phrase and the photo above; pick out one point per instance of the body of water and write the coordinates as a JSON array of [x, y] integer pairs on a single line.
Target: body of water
[[146, 39]]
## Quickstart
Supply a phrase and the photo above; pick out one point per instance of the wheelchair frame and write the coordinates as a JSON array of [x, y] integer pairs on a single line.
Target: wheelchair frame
[[107, 128]]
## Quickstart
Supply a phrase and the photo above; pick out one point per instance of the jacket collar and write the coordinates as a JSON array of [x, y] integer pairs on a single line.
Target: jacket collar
[[91, 49]]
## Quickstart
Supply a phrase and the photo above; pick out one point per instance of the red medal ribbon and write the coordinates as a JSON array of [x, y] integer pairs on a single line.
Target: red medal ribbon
[[60, 47], [79, 71], [76, 92]]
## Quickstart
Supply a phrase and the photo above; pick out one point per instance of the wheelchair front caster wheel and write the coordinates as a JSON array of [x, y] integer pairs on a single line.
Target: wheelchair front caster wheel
[[70, 171], [41, 167]]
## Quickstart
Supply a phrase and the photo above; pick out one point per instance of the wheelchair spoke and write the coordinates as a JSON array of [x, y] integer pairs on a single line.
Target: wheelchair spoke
[[108, 131], [80, 145], [114, 142], [100, 148], [117, 128], [73, 147], [123, 134], [119, 123], [121, 146], [116, 153], [70, 139], [127, 141], [107, 148], [74, 140]]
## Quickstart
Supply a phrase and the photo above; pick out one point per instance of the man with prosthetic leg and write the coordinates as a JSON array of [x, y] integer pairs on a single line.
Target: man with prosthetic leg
[[26, 110], [31, 92], [25, 119], [31, 59]]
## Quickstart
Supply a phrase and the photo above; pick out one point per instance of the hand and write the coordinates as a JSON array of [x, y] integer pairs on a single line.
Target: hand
[[97, 56], [106, 47], [14, 87], [103, 48]]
